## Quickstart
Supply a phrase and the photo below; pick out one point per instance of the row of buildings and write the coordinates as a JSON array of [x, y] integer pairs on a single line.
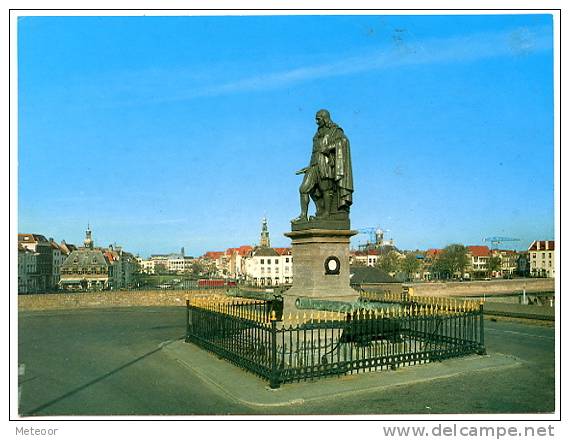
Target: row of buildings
[[46, 266], [537, 261], [263, 265], [260, 265]]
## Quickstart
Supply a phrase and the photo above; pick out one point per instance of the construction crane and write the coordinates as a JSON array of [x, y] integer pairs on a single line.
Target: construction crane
[[375, 236], [496, 241], [371, 234]]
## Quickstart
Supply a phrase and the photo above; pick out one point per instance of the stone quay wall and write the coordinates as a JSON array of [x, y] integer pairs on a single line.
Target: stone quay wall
[[135, 298], [151, 298], [470, 288]]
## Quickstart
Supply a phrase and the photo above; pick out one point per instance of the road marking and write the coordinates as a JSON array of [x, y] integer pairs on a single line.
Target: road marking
[[519, 333], [21, 372]]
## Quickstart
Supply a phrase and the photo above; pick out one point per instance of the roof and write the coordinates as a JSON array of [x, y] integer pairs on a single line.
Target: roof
[[365, 253], [32, 238], [175, 256], [479, 251], [67, 248], [283, 251], [367, 274], [86, 257], [54, 245], [213, 255], [431, 253], [242, 250], [24, 249], [262, 251], [504, 251], [111, 256], [542, 245]]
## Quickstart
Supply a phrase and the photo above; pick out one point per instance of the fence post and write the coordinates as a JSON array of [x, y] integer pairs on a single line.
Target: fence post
[[482, 349], [187, 320], [274, 381]]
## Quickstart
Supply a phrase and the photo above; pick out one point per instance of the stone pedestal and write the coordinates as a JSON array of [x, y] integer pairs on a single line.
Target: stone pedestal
[[320, 266]]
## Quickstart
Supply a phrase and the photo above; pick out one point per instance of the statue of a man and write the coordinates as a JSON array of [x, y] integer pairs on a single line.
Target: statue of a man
[[328, 178]]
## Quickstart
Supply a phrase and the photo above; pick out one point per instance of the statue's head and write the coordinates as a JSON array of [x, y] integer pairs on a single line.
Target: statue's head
[[323, 118]]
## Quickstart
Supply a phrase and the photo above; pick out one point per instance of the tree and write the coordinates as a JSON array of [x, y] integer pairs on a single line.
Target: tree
[[451, 262], [389, 262], [410, 265], [197, 269], [494, 264], [439, 269]]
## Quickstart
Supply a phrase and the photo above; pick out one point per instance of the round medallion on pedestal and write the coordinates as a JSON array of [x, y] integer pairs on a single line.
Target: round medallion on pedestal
[[332, 266]]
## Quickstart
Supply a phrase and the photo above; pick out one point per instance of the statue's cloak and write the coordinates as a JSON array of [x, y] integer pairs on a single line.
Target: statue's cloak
[[343, 168]]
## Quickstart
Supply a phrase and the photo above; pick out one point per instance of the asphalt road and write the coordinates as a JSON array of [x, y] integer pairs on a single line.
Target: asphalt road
[[109, 362]]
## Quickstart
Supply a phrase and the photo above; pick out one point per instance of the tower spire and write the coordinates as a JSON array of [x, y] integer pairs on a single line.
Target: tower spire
[[264, 241], [88, 242]]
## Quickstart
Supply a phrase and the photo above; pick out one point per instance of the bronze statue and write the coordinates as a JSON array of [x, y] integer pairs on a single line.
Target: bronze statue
[[328, 178]]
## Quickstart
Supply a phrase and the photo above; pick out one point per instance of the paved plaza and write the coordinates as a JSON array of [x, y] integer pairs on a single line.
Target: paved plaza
[[131, 361]]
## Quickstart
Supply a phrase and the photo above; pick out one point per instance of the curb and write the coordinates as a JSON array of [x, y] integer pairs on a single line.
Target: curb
[[247, 389]]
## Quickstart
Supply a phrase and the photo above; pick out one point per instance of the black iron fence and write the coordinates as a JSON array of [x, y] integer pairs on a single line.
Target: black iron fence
[[248, 333]]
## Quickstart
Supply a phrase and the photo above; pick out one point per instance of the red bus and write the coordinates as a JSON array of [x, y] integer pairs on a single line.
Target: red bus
[[216, 283]]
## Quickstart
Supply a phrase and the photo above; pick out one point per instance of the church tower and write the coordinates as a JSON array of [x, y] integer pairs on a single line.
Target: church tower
[[88, 242], [264, 242]]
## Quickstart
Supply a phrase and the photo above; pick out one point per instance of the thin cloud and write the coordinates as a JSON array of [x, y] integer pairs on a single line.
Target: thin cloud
[[157, 86], [516, 42]]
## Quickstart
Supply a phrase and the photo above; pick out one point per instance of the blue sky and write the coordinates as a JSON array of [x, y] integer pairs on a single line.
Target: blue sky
[[164, 132]]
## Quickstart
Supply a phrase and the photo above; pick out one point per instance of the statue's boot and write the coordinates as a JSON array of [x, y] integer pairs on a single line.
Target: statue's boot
[[304, 209]]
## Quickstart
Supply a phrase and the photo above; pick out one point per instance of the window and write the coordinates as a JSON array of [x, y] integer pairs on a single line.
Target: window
[[269, 261], [286, 260], [262, 261], [276, 261]]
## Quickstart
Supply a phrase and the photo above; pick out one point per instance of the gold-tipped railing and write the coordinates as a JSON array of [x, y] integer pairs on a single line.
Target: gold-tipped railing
[[423, 305], [244, 308]]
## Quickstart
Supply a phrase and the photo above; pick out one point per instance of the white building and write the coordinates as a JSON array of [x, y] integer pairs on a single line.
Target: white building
[[175, 263], [58, 257], [147, 266], [38, 244], [267, 267], [27, 270], [542, 258], [236, 261], [364, 258], [508, 262]]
